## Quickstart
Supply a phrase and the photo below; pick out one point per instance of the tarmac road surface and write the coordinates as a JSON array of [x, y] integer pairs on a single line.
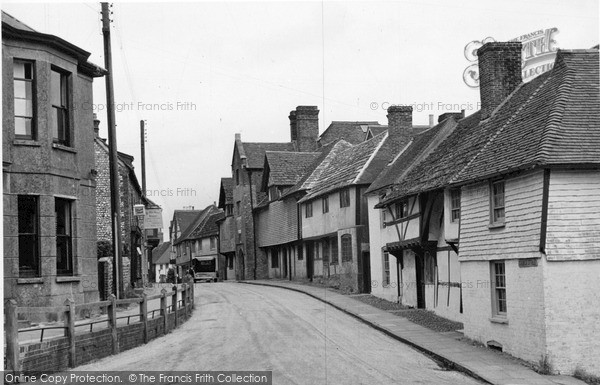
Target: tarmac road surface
[[302, 340]]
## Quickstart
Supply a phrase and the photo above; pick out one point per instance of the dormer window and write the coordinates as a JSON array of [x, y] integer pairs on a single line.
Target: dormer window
[[274, 193]]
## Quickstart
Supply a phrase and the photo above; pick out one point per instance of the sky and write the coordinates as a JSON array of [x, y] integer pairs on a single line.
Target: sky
[[199, 72]]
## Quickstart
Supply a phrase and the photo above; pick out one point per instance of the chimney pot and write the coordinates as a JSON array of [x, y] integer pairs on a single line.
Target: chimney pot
[[96, 126], [430, 120], [499, 73]]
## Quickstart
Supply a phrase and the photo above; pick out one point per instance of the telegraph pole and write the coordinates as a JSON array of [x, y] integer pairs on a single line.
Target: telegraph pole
[[143, 152], [115, 201], [145, 264]]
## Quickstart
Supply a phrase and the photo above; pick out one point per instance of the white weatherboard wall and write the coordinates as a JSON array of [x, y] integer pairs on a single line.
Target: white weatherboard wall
[[523, 334], [572, 274]]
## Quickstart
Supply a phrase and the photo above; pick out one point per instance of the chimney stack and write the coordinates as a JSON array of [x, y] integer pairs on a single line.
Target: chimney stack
[[96, 126], [306, 125], [293, 127], [499, 73], [400, 121]]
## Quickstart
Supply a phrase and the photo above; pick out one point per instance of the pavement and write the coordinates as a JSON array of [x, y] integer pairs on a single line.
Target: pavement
[[483, 364]]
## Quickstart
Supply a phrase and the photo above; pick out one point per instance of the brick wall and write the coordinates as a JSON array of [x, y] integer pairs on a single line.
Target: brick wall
[[53, 355]]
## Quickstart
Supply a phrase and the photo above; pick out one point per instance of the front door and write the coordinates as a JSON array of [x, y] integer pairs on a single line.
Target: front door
[[366, 269], [419, 267], [309, 260], [283, 256]]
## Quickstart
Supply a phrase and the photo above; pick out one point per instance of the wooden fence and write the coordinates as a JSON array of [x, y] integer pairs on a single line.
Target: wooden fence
[[73, 349]]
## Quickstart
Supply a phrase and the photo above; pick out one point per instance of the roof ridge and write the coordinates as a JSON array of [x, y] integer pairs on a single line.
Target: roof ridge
[[375, 151], [503, 126]]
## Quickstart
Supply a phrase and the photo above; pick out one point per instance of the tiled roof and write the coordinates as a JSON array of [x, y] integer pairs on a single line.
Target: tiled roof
[[408, 153], [559, 124], [195, 228], [226, 192], [185, 218], [351, 132], [286, 168], [209, 227], [255, 152], [313, 172], [553, 119], [161, 254], [346, 167]]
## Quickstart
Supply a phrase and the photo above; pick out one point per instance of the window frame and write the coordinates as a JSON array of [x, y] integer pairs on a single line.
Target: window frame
[[493, 203], [498, 291], [453, 208], [35, 271], [325, 204], [67, 237], [346, 240], [213, 243], [308, 209], [345, 198], [64, 108], [386, 277], [401, 209], [33, 85]]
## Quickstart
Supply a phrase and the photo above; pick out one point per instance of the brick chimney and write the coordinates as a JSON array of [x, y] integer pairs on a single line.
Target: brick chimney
[[96, 126], [400, 121], [306, 125], [499, 73], [293, 128]]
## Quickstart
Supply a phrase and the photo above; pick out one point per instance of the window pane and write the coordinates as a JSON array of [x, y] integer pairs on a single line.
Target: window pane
[[55, 89], [21, 89], [23, 107], [23, 126], [19, 70], [28, 236]]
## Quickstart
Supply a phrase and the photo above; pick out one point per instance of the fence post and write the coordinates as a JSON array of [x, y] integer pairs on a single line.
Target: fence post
[[193, 300], [163, 309], [70, 332], [112, 317], [174, 304], [144, 316], [12, 335]]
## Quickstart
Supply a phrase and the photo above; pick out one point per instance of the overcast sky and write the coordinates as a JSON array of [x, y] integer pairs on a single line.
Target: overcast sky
[[242, 66]]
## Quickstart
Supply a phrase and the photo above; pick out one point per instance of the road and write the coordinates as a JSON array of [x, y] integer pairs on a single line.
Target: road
[[302, 340]]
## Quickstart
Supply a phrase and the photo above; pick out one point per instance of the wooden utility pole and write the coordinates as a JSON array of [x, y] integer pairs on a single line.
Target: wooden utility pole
[[143, 153], [115, 201]]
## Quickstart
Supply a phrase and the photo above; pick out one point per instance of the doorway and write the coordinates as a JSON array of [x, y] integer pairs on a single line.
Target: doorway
[[366, 272]]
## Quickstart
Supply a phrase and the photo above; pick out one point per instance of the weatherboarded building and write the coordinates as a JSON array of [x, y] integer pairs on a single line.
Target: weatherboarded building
[[513, 193]]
